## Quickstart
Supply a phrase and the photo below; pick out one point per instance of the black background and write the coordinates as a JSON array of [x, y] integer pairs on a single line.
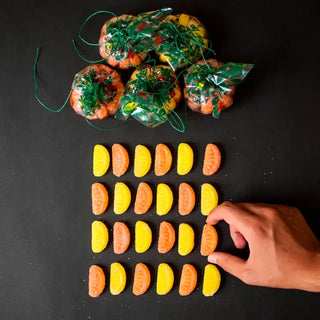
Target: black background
[[269, 139]]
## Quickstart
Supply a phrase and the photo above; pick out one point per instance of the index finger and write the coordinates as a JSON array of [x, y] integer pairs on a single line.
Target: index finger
[[233, 215]]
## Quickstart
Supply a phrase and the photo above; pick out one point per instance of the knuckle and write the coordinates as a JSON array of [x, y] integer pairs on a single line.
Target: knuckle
[[270, 214], [227, 204], [256, 226]]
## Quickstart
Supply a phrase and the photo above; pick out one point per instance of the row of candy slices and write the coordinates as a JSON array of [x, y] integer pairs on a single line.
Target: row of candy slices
[[144, 198], [142, 279], [143, 238], [163, 160]]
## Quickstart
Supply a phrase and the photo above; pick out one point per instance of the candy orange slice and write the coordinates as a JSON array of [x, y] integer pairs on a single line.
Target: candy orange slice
[[97, 281], [188, 280], [187, 199], [120, 160], [142, 279], [167, 237], [143, 198], [100, 198], [209, 240], [121, 237], [163, 160], [212, 160]]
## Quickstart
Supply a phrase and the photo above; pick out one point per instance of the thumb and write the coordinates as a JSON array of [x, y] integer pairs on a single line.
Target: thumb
[[228, 262]]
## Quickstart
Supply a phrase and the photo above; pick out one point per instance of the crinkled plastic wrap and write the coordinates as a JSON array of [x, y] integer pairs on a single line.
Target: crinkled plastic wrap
[[210, 85], [96, 91], [182, 41], [126, 40], [150, 95]]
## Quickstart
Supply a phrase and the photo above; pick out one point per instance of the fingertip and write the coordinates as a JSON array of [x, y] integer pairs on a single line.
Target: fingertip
[[212, 258], [240, 245], [238, 239], [211, 220]]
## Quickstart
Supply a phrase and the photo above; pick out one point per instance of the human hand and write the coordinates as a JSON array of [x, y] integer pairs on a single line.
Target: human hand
[[284, 253]]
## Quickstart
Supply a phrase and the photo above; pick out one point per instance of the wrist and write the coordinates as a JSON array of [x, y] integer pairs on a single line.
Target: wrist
[[311, 277]]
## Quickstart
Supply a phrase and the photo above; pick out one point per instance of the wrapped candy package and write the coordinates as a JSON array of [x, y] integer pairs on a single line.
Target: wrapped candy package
[[210, 85], [151, 94], [182, 41], [96, 91], [126, 40]]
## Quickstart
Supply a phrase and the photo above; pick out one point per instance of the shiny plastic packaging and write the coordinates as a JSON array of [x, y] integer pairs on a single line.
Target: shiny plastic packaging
[[182, 40], [210, 85], [151, 94], [126, 40], [96, 91]]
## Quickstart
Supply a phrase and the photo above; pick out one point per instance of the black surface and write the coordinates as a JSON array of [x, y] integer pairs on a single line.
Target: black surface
[[269, 138]]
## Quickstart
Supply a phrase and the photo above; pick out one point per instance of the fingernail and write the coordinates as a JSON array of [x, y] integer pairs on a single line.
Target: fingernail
[[212, 258]]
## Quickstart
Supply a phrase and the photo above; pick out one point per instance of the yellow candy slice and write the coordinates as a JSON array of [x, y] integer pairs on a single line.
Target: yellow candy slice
[[164, 199], [99, 236], [142, 161], [143, 237], [184, 19], [211, 280], [185, 239], [185, 159], [118, 278], [165, 279], [209, 198], [101, 160], [122, 198]]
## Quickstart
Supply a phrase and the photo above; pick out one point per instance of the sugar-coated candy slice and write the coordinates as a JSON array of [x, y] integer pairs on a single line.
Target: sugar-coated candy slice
[[163, 160], [211, 280], [122, 198], [185, 159], [212, 160], [141, 280], [188, 280], [167, 237], [121, 237], [209, 240], [101, 160], [144, 198], [143, 237], [97, 281], [99, 198], [120, 160], [118, 278], [99, 236], [142, 161], [185, 239], [209, 198], [165, 279], [187, 199], [164, 199]]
